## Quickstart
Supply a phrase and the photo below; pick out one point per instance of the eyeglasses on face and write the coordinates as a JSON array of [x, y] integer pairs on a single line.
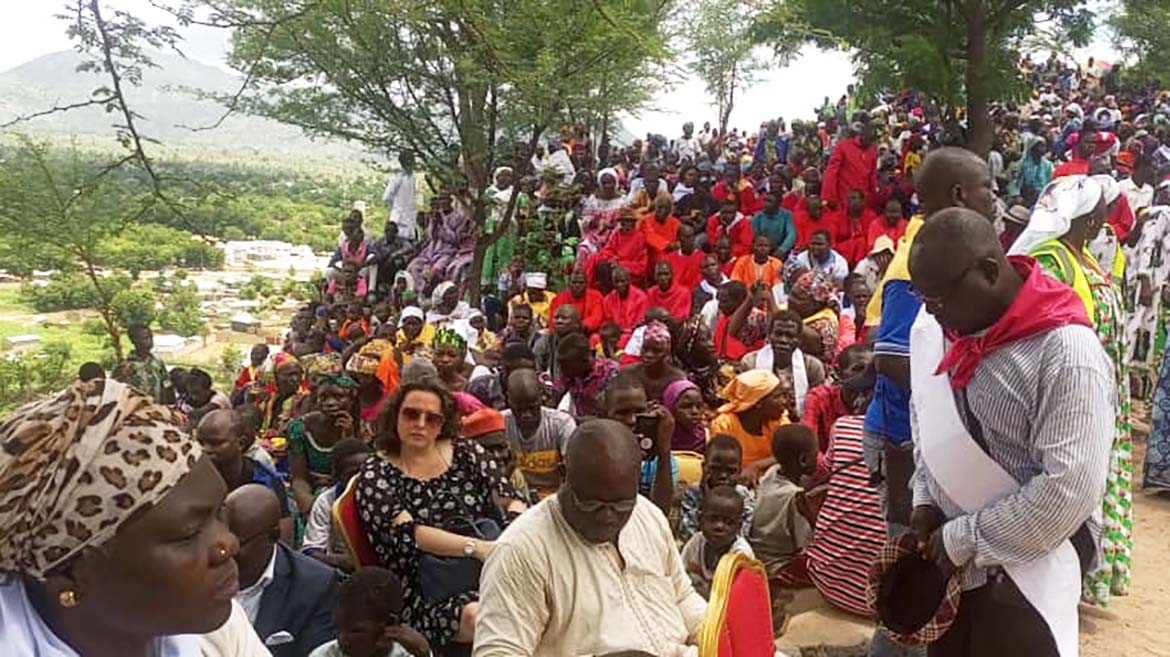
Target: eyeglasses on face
[[432, 420], [595, 506]]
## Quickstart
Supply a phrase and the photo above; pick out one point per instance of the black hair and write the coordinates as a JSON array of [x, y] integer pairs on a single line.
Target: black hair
[[827, 234], [90, 371], [625, 380], [786, 315], [571, 344], [523, 306], [851, 352], [388, 420], [372, 592], [517, 350], [787, 438], [736, 289], [196, 374], [345, 448], [723, 441], [720, 494]]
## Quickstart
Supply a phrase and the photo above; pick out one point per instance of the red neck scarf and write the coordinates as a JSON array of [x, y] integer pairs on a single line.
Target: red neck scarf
[[1043, 304]]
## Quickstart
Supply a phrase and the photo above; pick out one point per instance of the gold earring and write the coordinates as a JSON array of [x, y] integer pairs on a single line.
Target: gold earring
[[67, 598]]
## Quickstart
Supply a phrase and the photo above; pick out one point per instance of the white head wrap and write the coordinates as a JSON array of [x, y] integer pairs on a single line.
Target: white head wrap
[[1109, 187], [1063, 200], [410, 311], [536, 279], [609, 171]]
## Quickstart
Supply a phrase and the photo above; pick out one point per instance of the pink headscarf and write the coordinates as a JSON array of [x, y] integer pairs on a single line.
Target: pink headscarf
[[695, 439]]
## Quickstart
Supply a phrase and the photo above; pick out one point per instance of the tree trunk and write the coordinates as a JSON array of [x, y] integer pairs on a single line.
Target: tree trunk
[[104, 310], [979, 135], [725, 113]]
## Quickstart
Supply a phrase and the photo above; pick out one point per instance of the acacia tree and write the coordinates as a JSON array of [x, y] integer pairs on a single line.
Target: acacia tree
[[721, 50], [956, 51], [447, 80]]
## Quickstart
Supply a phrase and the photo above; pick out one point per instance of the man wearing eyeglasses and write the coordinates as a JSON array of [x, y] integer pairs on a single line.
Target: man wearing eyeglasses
[[592, 570]]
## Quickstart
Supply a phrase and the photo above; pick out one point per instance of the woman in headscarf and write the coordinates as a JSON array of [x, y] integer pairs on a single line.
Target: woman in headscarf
[[599, 214], [279, 395], [1068, 215], [312, 436], [685, 402], [449, 244], [757, 403], [446, 306], [498, 254], [1035, 171], [655, 369], [812, 297], [449, 352], [377, 374], [414, 335], [111, 538]]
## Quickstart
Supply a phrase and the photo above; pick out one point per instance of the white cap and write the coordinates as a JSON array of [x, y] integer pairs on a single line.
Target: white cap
[[536, 279]]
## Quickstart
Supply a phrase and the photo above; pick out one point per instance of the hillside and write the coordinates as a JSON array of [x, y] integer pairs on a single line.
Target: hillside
[[164, 105]]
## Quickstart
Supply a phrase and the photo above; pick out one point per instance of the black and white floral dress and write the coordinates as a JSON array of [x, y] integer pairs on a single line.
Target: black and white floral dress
[[465, 489]]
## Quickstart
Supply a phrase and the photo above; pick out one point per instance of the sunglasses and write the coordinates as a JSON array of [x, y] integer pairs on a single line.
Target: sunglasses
[[594, 506], [432, 420]]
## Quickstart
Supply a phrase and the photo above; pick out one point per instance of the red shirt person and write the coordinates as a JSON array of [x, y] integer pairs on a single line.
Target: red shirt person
[[668, 294], [891, 224], [626, 305], [687, 261], [660, 229], [853, 228], [626, 247], [590, 304], [812, 217], [733, 224], [732, 185], [853, 165]]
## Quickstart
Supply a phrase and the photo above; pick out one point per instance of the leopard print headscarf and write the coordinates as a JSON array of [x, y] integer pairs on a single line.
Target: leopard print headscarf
[[75, 466]]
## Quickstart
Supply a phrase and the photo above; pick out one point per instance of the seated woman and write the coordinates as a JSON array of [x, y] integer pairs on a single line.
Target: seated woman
[[757, 403], [82, 554], [312, 436], [655, 369], [813, 298], [376, 371], [450, 357], [424, 480], [414, 336], [782, 356], [448, 246]]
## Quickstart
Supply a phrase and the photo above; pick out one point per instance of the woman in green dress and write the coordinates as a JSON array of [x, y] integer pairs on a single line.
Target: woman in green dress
[[1068, 214], [311, 437]]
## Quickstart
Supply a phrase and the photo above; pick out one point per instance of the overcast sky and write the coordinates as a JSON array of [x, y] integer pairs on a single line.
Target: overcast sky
[[30, 30]]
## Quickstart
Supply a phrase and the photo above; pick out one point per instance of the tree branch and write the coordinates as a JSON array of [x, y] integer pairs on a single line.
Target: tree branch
[[57, 108]]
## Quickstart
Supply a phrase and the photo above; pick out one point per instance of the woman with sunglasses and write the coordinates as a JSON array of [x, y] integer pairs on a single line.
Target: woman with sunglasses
[[427, 479]]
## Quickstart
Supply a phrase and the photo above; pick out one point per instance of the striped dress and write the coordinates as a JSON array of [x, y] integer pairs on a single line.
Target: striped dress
[[850, 529]]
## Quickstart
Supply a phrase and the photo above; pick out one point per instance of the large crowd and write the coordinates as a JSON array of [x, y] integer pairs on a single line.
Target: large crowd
[[812, 345]]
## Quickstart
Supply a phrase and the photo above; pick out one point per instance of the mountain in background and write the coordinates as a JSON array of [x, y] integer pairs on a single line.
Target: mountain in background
[[163, 102]]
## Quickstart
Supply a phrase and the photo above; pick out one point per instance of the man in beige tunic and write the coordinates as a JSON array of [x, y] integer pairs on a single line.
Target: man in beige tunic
[[592, 570]]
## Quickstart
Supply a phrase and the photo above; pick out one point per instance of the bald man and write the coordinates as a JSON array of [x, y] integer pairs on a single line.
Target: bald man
[[948, 177], [592, 570], [538, 434], [1012, 438], [289, 597]]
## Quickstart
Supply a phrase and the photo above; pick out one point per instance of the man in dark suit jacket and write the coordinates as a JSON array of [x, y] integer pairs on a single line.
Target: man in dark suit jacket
[[288, 596]]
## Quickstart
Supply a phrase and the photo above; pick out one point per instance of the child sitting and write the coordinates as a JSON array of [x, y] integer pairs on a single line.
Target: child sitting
[[721, 467], [720, 519], [780, 531], [322, 542], [367, 617]]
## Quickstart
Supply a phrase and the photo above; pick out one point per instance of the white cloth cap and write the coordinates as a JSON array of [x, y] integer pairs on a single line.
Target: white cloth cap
[[536, 279], [1109, 187], [1063, 200], [410, 311]]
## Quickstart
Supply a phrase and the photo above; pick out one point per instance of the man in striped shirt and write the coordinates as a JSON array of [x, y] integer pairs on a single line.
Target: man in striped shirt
[[1012, 419]]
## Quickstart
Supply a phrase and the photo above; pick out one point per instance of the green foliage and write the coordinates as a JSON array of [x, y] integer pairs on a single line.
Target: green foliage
[[30, 374], [153, 247], [229, 362], [180, 311], [258, 287], [65, 291], [1140, 33], [134, 306]]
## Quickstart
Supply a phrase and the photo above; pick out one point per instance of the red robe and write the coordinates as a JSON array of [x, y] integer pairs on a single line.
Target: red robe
[[748, 203], [687, 268], [629, 251], [591, 308], [879, 227], [851, 166], [850, 238], [628, 312], [740, 233], [676, 300], [806, 226], [659, 235]]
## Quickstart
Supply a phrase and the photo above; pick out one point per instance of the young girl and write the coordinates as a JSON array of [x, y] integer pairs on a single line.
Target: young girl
[[367, 617]]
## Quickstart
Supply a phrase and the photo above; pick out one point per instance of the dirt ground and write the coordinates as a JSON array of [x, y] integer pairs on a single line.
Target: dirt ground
[[1136, 624]]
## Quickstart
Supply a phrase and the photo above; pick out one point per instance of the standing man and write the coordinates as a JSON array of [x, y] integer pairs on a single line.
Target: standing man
[[687, 147], [853, 165], [1013, 422], [142, 369], [592, 570], [949, 177], [399, 197]]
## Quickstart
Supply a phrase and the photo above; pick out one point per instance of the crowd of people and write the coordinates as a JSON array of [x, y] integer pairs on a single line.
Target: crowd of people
[[797, 345]]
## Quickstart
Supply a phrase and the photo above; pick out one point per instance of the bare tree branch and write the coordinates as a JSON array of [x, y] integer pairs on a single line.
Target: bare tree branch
[[57, 108]]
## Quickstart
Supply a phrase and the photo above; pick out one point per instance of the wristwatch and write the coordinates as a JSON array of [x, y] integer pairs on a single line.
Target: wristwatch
[[469, 547]]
